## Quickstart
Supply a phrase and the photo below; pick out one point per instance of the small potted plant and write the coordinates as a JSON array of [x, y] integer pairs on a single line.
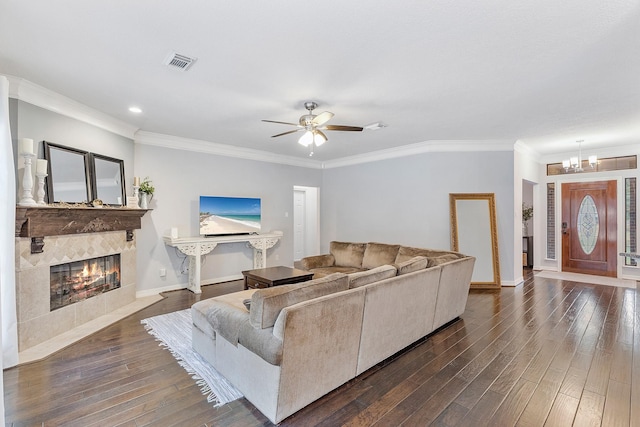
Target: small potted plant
[[146, 192]]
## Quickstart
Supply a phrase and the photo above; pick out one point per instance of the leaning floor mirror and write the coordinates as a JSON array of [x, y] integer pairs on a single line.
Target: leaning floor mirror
[[474, 232]]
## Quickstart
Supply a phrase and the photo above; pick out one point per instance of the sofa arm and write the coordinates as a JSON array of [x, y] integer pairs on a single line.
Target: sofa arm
[[318, 261]]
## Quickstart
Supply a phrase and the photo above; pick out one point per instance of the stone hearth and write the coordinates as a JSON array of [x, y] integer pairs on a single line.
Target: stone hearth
[[36, 322]]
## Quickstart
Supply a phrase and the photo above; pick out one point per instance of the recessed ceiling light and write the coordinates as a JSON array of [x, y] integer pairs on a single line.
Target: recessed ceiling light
[[136, 110]]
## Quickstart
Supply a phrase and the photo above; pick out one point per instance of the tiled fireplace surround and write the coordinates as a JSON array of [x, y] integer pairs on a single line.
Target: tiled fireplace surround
[[36, 323]]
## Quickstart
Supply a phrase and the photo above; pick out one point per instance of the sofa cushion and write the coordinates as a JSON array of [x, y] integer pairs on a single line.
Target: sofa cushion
[[405, 253], [433, 261], [414, 264], [325, 271], [369, 276], [267, 303], [222, 314], [377, 254], [347, 254], [319, 261]]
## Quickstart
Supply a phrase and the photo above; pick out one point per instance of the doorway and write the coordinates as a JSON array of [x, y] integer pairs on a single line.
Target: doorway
[[306, 222], [589, 228]]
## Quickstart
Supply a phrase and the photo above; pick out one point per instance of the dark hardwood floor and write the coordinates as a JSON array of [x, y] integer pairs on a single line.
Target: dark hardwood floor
[[549, 352]]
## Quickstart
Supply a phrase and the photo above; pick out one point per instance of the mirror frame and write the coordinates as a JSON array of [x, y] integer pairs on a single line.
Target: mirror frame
[[48, 147], [94, 178], [490, 200]]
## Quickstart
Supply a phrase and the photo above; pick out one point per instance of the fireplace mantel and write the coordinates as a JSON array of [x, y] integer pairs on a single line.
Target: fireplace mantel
[[42, 221]]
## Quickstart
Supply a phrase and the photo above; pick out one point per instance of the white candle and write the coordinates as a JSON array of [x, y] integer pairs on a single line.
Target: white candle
[[26, 146], [136, 181], [41, 167]]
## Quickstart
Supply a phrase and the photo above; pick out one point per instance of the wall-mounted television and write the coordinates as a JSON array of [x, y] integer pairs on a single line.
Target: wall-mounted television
[[221, 216]]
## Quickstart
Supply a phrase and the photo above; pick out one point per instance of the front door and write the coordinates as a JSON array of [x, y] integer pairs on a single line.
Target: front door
[[589, 228]]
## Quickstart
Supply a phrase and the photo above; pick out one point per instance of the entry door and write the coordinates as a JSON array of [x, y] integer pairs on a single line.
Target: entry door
[[589, 228]]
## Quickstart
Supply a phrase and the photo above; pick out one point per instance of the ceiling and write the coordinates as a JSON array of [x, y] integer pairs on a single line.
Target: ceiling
[[545, 73]]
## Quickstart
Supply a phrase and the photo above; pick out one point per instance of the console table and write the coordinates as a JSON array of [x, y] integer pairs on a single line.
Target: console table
[[196, 247]]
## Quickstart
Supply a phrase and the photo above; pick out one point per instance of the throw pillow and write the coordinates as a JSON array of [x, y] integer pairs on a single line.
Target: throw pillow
[[437, 260], [377, 254], [413, 264], [369, 276], [266, 304], [347, 254]]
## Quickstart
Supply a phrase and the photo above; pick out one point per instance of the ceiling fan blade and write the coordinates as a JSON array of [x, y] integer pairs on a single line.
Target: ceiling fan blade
[[322, 118], [323, 135], [286, 133], [282, 123], [343, 128]]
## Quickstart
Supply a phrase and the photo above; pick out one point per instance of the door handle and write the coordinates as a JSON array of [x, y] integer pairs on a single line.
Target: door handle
[[564, 228]]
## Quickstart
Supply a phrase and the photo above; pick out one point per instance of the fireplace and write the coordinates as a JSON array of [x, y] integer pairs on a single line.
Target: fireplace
[[79, 280]]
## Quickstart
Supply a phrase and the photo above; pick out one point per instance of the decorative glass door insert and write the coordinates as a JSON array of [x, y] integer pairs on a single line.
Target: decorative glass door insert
[[588, 225]]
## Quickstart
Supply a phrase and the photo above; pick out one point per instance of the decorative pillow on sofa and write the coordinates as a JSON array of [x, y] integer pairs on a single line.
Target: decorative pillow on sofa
[[266, 304], [347, 254], [437, 260], [411, 265], [369, 276], [377, 254]]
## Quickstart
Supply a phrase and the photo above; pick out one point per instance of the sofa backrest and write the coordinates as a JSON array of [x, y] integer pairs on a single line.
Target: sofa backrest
[[266, 304], [347, 254], [378, 254]]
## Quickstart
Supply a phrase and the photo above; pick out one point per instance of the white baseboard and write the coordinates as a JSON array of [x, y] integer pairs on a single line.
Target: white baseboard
[[178, 286]]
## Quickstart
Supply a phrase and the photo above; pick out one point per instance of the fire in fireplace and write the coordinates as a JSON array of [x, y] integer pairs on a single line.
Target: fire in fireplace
[[78, 280]]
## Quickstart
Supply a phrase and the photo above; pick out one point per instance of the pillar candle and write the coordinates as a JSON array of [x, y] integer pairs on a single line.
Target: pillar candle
[[26, 146], [136, 181], [41, 167]]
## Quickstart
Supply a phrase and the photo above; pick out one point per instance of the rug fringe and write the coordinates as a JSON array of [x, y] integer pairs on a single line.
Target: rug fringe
[[205, 388]]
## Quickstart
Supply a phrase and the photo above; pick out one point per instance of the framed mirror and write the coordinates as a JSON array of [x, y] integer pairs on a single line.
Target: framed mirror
[[474, 232], [107, 180], [68, 174]]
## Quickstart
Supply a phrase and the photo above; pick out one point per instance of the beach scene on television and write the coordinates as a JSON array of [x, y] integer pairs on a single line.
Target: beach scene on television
[[229, 215]]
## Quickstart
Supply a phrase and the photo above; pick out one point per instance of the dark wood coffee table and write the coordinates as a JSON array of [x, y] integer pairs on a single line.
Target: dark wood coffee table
[[274, 276]]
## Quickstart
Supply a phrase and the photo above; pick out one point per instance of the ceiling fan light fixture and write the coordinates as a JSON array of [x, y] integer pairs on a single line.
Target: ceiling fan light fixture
[[318, 139], [306, 139]]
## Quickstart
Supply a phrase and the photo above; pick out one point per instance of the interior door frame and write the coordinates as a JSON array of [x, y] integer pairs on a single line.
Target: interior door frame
[[619, 214], [312, 229]]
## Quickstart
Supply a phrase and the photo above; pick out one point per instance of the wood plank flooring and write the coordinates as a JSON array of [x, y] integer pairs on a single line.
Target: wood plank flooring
[[547, 353]]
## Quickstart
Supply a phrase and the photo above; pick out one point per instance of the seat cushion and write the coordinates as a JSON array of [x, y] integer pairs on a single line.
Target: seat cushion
[[347, 254], [377, 254], [369, 276], [433, 261], [266, 304], [414, 264]]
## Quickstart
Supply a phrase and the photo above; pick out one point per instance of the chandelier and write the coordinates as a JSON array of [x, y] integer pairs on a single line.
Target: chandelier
[[574, 164]]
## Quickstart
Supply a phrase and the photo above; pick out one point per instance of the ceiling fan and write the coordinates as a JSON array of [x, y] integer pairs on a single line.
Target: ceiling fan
[[313, 126]]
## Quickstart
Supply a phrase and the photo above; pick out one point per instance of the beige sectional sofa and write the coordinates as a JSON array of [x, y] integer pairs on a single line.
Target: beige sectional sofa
[[298, 342]]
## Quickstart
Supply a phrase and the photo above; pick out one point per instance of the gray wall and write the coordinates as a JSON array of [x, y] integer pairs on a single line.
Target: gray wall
[[180, 177], [406, 200], [30, 121]]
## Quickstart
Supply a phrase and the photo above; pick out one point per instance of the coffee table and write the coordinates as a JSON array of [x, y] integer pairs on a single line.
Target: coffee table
[[274, 276]]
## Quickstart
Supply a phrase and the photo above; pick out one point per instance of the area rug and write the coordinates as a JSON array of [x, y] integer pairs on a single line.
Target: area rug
[[173, 330]]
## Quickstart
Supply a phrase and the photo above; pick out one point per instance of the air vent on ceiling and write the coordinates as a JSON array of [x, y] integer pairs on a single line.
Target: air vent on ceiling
[[178, 61]]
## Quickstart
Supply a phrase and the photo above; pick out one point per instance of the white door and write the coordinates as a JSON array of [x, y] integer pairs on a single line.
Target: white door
[[299, 222]]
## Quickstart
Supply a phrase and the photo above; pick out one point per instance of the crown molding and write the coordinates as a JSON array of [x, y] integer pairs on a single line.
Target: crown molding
[[39, 96], [523, 148], [434, 146], [199, 146]]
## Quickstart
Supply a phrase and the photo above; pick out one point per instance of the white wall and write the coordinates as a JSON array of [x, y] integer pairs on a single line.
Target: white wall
[[180, 177], [406, 200]]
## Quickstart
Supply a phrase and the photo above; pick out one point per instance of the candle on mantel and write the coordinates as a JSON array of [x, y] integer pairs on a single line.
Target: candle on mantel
[[41, 167], [26, 146], [136, 181]]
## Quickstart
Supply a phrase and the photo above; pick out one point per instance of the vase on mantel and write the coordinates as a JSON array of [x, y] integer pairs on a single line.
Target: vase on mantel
[[144, 202]]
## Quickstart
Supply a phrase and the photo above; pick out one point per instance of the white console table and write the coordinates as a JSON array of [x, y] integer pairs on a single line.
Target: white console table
[[196, 247]]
